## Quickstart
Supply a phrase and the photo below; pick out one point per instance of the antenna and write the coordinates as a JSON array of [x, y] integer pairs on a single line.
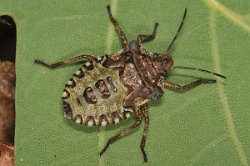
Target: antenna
[[179, 29], [198, 69]]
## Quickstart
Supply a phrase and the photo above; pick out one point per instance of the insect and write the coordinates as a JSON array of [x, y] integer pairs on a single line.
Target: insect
[[109, 88]]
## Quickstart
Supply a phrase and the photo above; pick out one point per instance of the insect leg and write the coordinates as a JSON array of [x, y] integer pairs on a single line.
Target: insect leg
[[142, 37], [55, 65], [125, 132], [176, 35], [125, 42], [188, 86], [145, 131]]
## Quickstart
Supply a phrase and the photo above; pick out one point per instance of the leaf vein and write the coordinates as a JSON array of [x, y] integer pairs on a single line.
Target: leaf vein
[[221, 92], [229, 14]]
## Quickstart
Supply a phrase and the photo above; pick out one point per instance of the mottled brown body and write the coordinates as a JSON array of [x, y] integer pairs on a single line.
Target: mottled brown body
[[141, 84], [108, 89]]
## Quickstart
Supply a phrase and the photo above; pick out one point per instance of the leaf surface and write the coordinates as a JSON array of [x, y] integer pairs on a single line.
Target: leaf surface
[[207, 125]]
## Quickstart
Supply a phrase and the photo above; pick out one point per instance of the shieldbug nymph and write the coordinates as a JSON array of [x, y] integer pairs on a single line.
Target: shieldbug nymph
[[109, 88]]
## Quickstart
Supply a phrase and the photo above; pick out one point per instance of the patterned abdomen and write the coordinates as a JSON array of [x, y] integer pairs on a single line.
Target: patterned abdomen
[[94, 96]]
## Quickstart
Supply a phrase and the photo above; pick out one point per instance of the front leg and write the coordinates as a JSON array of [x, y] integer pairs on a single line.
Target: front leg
[[142, 37]]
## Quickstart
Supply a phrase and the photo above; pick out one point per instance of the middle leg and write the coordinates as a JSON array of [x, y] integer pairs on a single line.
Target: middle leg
[[124, 39]]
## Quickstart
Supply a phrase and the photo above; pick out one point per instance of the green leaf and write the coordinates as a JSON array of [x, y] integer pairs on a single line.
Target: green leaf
[[207, 125]]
